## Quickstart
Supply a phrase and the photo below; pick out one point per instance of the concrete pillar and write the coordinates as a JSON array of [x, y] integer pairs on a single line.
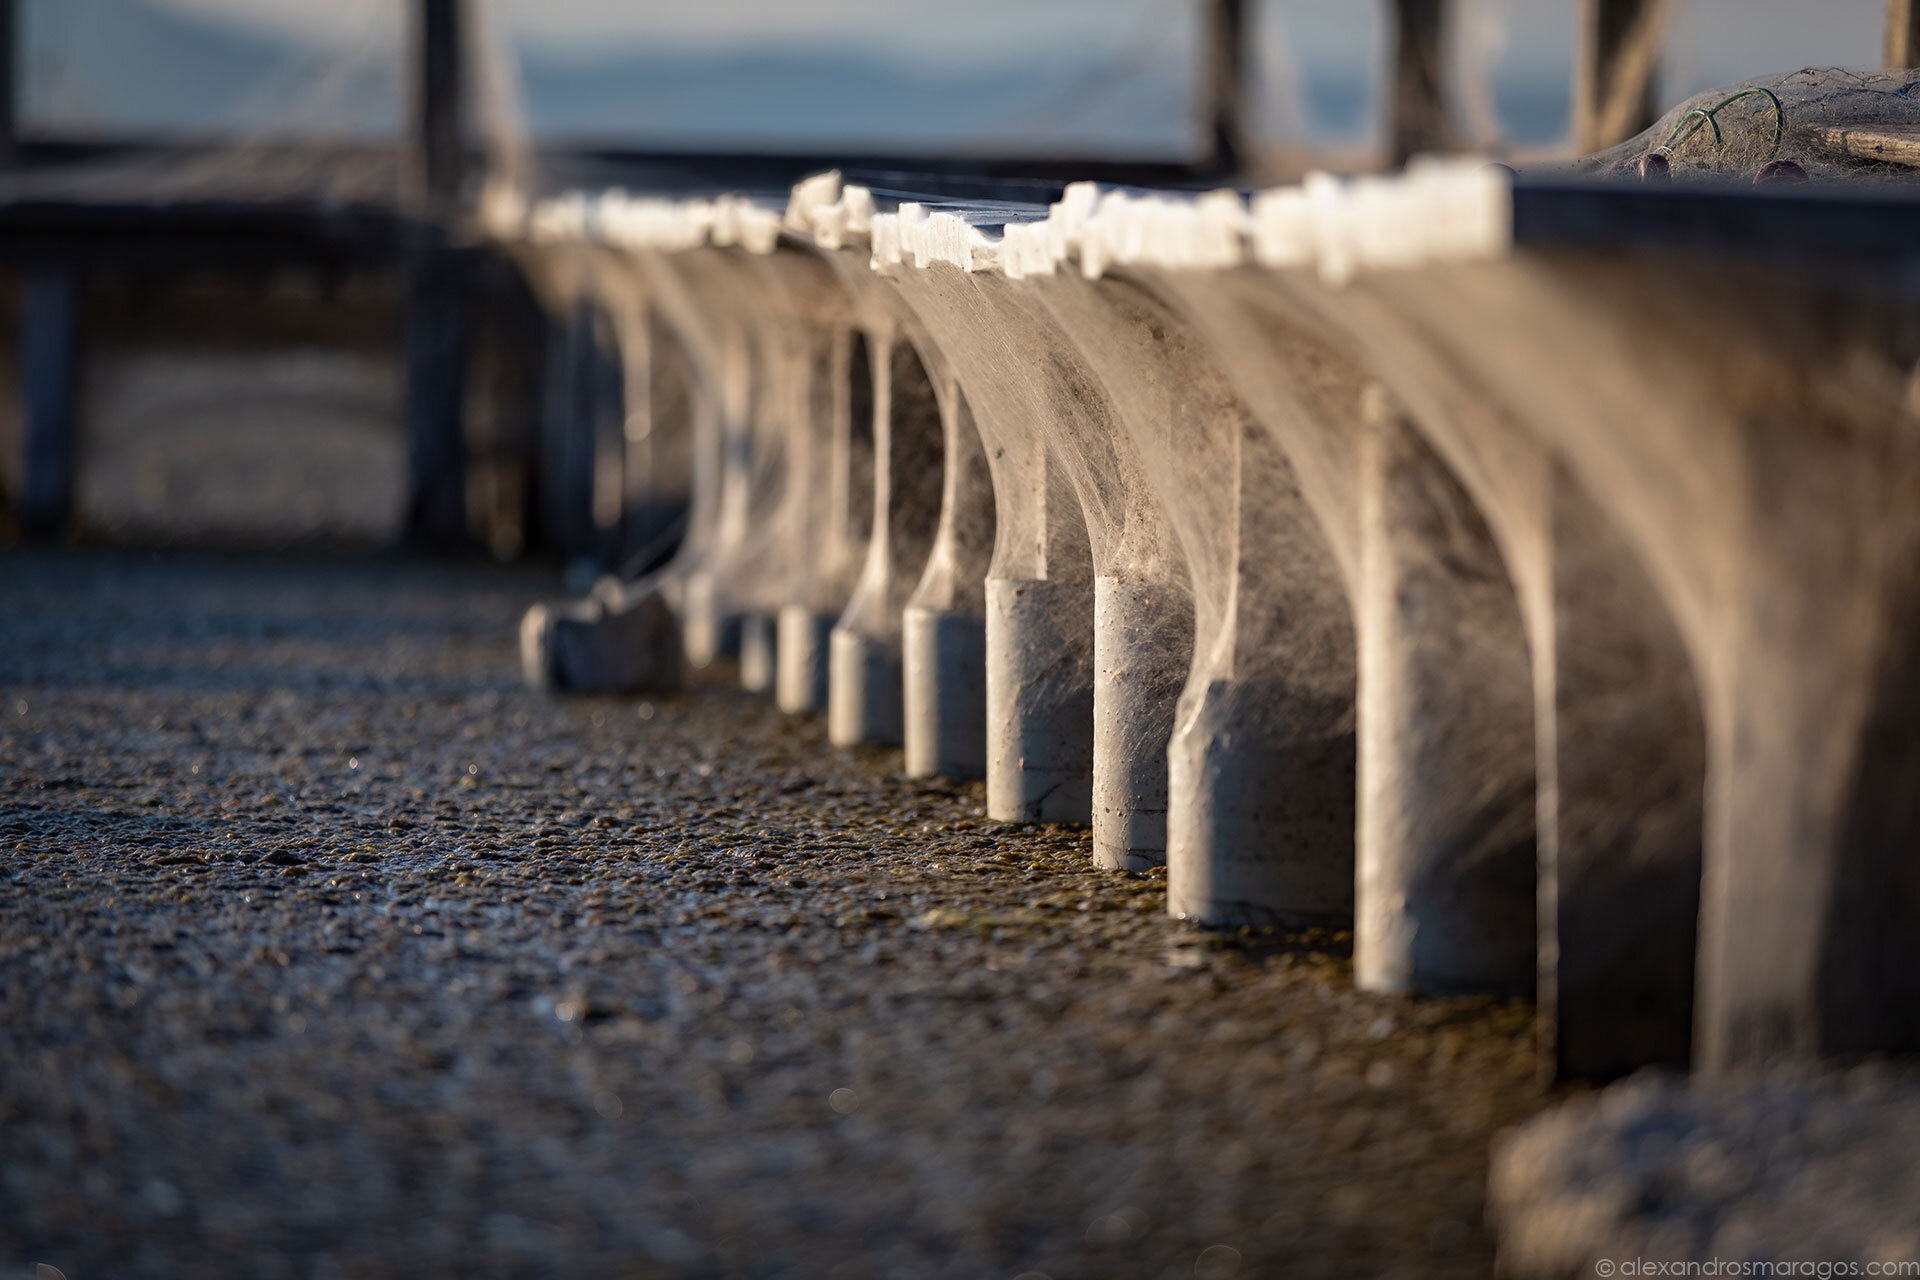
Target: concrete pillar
[[1445, 893], [1142, 625], [761, 570], [1039, 699], [836, 515], [794, 570], [624, 636], [1434, 523], [802, 646], [709, 618], [1040, 677], [49, 382], [866, 698], [1622, 752], [1759, 469], [945, 629], [1261, 771], [1142, 644], [1126, 418], [645, 486], [759, 651], [1039, 589], [755, 363], [1810, 911]]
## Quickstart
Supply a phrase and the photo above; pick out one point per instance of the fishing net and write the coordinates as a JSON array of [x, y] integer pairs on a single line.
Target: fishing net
[[1824, 123]]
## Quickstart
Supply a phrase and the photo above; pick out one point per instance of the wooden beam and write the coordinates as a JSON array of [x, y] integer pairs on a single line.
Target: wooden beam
[[1225, 85], [439, 94], [1419, 121], [1618, 58], [1903, 33], [438, 335], [49, 351]]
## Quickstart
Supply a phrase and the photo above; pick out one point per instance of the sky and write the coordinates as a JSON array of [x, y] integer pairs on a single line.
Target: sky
[[1747, 33], [1318, 62]]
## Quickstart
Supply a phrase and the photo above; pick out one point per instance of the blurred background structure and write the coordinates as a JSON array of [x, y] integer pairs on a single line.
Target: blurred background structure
[[1069, 77], [213, 209]]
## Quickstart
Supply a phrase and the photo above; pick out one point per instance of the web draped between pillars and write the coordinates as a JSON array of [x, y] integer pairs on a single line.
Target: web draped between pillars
[[1239, 533]]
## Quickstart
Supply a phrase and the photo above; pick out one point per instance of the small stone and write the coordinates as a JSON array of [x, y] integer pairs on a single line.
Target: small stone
[[1782, 172]]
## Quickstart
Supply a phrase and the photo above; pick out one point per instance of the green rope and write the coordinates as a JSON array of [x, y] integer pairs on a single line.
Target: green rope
[[1710, 116]]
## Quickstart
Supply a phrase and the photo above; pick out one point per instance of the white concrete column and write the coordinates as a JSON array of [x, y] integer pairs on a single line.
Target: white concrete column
[[1039, 702], [1758, 470], [1109, 445], [865, 698], [833, 514], [1622, 750], [1261, 765], [1810, 906], [626, 637], [1445, 887], [1142, 644], [945, 629], [1039, 587], [708, 288], [1259, 757], [795, 568], [1445, 895], [759, 651]]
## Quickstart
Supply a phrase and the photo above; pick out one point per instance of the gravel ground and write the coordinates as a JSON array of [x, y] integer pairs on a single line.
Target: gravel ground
[[328, 951]]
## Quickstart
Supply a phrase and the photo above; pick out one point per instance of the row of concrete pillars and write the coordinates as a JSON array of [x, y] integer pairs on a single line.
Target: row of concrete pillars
[[1341, 607]]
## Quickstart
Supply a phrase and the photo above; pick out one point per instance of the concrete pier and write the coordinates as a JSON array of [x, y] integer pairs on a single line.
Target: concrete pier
[[865, 695], [944, 628], [1446, 894], [1334, 561], [1039, 586]]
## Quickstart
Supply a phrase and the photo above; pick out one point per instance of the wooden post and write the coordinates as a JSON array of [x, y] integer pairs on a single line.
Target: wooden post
[[439, 94], [48, 352], [1419, 121], [437, 334], [1903, 33], [1614, 71], [1226, 81]]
